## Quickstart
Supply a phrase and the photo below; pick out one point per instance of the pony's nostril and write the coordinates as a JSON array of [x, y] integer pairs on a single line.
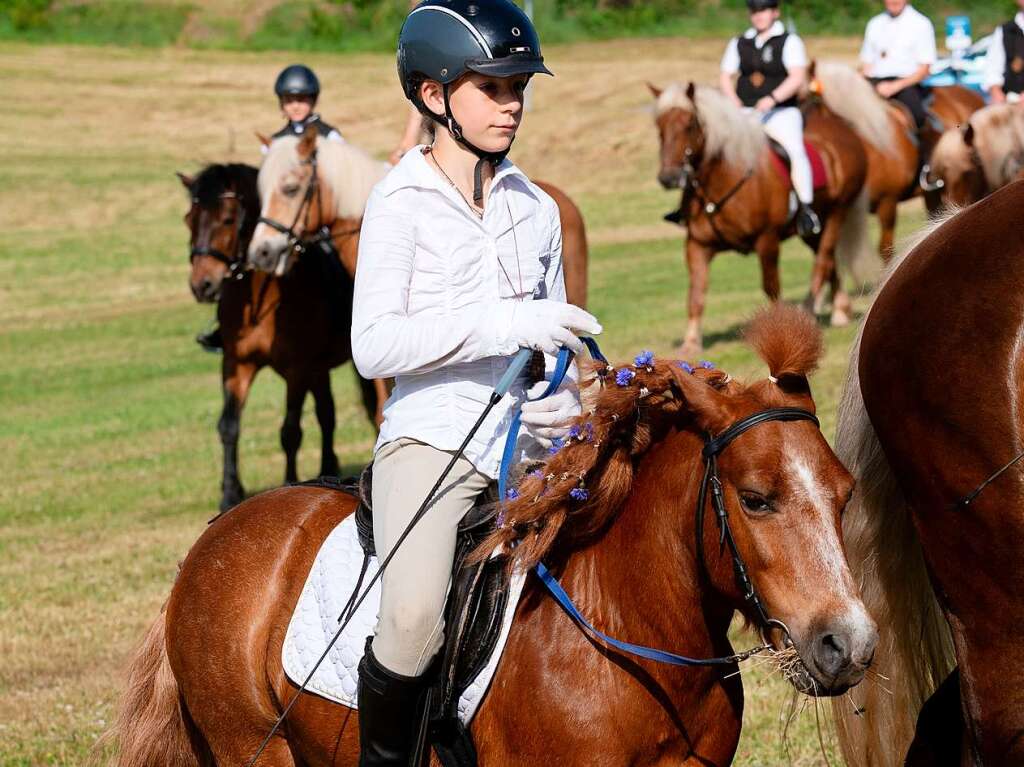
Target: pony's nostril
[[832, 653]]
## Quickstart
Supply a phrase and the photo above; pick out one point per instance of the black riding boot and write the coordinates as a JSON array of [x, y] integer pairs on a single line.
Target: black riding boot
[[211, 340], [390, 714], [807, 222]]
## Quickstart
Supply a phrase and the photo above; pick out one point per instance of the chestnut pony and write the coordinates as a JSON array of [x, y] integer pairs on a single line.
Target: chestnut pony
[[303, 196], [930, 425], [735, 198], [288, 324], [889, 136], [975, 159], [207, 683]]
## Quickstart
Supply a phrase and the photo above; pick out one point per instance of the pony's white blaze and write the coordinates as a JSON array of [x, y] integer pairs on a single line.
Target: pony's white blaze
[[830, 550]]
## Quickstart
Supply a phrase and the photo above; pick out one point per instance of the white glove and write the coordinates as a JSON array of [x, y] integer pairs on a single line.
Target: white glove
[[548, 419], [548, 325]]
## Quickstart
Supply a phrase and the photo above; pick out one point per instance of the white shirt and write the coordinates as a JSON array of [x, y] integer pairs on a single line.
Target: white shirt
[[794, 54], [995, 57], [896, 46], [435, 292]]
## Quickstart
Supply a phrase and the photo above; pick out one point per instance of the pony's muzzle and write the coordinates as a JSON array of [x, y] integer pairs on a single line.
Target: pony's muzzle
[[670, 178], [840, 653], [270, 252], [206, 290]]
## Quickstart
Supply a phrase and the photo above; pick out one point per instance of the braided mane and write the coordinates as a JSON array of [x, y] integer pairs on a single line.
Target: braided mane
[[579, 490]]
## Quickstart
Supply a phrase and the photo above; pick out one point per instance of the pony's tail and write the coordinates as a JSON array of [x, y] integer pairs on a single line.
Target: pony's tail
[[914, 652], [153, 728], [854, 252]]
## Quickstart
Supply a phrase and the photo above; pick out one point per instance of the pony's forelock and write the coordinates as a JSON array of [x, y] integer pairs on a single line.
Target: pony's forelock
[[350, 171], [730, 133]]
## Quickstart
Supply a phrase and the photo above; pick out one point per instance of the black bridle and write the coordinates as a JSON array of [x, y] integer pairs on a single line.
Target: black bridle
[[693, 189], [713, 447], [300, 243], [234, 262]]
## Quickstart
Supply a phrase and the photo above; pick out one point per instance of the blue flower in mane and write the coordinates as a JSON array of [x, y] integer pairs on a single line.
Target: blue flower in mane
[[556, 445], [624, 377], [644, 359], [536, 474], [575, 431], [687, 367], [511, 493], [707, 365], [579, 494]]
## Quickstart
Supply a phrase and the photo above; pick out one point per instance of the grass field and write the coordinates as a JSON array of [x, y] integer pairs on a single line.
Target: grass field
[[107, 441]]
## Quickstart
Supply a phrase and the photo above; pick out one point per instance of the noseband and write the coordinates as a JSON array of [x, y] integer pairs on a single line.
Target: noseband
[[713, 447], [234, 262], [296, 242]]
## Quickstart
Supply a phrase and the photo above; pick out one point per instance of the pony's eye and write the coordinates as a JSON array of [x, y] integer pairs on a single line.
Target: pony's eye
[[755, 503], [291, 189], [229, 222]]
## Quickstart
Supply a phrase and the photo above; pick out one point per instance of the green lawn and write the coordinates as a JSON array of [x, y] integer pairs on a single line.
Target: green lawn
[[108, 450]]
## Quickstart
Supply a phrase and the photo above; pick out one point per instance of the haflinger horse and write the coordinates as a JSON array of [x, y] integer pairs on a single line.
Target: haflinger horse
[[289, 324], [931, 428], [735, 197], [896, 168], [975, 159], [302, 204], [207, 683]]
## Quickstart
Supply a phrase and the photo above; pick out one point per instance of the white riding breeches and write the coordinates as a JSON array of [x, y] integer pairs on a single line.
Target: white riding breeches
[[786, 125]]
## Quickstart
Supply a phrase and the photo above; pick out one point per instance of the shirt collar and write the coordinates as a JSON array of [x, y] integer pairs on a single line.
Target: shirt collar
[[776, 29], [414, 170], [1019, 18]]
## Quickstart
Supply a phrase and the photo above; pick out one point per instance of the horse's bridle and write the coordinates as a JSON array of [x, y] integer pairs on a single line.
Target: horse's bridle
[[713, 447], [300, 243], [235, 263], [692, 188]]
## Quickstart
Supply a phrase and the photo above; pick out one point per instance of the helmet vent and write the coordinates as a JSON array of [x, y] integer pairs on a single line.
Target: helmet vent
[[516, 32]]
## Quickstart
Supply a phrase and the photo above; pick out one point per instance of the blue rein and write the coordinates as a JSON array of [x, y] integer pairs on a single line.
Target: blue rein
[[550, 582]]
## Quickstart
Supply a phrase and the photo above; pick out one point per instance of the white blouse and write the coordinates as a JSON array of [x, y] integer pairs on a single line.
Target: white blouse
[[435, 292], [895, 46]]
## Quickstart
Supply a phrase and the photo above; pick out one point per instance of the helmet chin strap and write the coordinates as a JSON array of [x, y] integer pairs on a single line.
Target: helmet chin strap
[[484, 157]]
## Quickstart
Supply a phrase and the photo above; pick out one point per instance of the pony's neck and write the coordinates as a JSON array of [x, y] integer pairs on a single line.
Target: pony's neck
[[654, 533]]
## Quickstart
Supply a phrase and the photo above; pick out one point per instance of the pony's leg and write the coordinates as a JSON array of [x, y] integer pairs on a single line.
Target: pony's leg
[[887, 224], [939, 736], [824, 268], [291, 429], [325, 416], [237, 380], [698, 261], [767, 247]]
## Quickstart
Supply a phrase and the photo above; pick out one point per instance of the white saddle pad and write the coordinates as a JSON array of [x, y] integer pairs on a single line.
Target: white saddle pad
[[315, 620]]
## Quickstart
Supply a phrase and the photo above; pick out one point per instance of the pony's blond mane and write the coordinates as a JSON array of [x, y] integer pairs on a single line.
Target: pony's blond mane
[[349, 171], [914, 652], [730, 133], [999, 139], [852, 98]]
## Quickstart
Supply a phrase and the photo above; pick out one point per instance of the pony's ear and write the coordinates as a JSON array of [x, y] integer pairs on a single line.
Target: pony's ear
[[186, 181], [704, 398], [654, 89], [264, 140], [691, 92], [968, 134], [307, 144]]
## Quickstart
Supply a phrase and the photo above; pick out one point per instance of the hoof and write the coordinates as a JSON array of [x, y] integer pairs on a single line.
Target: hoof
[[690, 350], [842, 311]]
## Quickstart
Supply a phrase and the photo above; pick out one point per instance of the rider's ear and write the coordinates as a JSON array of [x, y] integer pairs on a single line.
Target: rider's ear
[[186, 181], [307, 144]]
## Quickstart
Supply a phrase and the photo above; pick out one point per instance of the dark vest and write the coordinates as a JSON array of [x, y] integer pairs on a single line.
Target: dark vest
[[1013, 44], [298, 128], [761, 69]]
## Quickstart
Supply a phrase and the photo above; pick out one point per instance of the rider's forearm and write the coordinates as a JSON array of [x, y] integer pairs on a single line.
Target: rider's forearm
[[790, 86], [913, 79]]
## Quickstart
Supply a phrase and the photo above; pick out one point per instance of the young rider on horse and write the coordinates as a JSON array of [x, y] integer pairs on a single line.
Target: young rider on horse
[[898, 51], [297, 89], [459, 266], [771, 65], [1004, 62]]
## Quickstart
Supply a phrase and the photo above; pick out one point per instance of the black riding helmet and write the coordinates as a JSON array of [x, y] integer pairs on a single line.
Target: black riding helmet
[[759, 5], [297, 80], [444, 39]]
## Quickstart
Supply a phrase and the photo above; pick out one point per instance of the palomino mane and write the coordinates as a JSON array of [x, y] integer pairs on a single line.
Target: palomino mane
[[999, 139], [579, 490], [850, 96], [730, 133], [349, 171]]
